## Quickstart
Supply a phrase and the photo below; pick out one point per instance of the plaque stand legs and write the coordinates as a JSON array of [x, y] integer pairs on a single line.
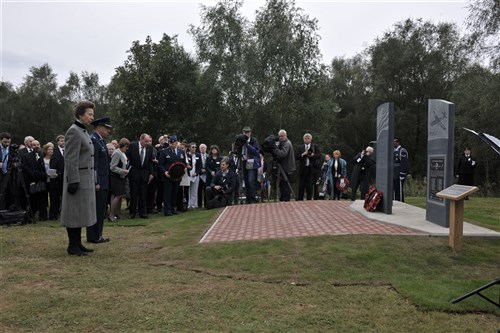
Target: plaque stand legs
[[456, 224]]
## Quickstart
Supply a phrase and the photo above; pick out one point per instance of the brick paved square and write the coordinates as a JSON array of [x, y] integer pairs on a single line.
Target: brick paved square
[[294, 219]]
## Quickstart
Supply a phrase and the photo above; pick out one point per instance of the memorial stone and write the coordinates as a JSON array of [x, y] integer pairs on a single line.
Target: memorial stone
[[384, 152], [440, 148]]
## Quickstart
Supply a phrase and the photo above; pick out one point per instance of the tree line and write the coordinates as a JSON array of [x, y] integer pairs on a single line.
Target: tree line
[[269, 73]]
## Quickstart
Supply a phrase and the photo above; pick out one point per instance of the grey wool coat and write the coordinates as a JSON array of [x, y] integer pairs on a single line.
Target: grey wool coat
[[78, 210]]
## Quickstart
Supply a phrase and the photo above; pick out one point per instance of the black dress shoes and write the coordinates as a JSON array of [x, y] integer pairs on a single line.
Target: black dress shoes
[[74, 250], [99, 240], [85, 249]]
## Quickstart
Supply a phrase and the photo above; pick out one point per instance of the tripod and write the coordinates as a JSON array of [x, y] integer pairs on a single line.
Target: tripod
[[14, 180], [282, 174], [240, 194]]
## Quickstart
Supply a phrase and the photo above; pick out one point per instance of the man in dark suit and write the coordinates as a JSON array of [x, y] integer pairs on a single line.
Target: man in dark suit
[[140, 155], [56, 187], [101, 169], [34, 172], [27, 145], [308, 156], [168, 157]]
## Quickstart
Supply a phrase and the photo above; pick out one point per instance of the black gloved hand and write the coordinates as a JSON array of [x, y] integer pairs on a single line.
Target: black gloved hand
[[72, 188]]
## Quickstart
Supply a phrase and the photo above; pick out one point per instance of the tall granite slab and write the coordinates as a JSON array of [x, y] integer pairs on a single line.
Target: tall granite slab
[[440, 159], [384, 152]]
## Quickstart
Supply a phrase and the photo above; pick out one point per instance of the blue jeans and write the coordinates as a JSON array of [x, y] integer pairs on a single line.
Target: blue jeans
[[250, 177]]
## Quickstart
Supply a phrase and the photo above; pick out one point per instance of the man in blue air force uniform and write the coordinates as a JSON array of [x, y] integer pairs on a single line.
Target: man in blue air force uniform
[[168, 157], [400, 167], [101, 168]]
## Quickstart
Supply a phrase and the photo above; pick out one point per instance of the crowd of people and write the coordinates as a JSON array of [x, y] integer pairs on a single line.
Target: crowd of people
[[61, 180]]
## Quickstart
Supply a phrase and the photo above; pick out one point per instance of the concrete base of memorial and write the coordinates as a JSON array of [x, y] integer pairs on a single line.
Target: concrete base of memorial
[[412, 217]]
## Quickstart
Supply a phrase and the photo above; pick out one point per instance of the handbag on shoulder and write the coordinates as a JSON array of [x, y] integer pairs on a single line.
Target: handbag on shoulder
[[37, 187]]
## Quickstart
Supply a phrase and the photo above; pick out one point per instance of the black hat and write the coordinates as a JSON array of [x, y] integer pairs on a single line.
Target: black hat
[[172, 139], [104, 121]]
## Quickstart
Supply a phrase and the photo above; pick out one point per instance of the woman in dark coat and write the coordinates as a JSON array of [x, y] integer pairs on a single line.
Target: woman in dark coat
[[78, 204], [212, 164]]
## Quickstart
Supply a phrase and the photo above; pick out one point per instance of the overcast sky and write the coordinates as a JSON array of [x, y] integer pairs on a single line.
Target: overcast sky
[[94, 36]]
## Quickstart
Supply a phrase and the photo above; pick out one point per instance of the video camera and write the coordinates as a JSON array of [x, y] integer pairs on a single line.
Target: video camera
[[14, 155], [269, 144], [240, 140]]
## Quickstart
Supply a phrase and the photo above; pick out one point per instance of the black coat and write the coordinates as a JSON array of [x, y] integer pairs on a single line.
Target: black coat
[[138, 171], [33, 168], [315, 161]]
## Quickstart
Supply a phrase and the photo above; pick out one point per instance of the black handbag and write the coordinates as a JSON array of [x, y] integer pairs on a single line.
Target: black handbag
[[38, 187]]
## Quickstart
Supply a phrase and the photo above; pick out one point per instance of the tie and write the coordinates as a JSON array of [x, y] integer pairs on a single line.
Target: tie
[[62, 151], [142, 156], [5, 159], [307, 159]]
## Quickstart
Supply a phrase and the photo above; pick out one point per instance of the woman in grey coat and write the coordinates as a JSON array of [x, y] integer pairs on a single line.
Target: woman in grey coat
[[78, 201]]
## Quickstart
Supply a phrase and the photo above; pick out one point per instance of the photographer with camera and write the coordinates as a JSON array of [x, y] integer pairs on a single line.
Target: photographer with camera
[[249, 151], [224, 183], [285, 156]]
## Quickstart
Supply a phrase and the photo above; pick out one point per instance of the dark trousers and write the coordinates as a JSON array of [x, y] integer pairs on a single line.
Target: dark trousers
[[6, 191], [250, 177], [159, 194], [285, 191], [306, 183], [201, 193], [138, 195], [466, 179], [36, 202], [398, 186], [55, 195], [74, 237], [170, 193], [182, 198], [94, 232], [316, 175], [211, 193], [363, 182], [151, 196], [336, 193], [44, 205]]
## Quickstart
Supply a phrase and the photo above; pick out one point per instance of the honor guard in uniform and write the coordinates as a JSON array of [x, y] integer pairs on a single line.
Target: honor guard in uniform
[[465, 170], [169, 157], [101, 169], [400, 167]]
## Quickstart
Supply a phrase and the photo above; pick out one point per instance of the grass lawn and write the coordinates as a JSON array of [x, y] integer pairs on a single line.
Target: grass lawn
[[154, 277]]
